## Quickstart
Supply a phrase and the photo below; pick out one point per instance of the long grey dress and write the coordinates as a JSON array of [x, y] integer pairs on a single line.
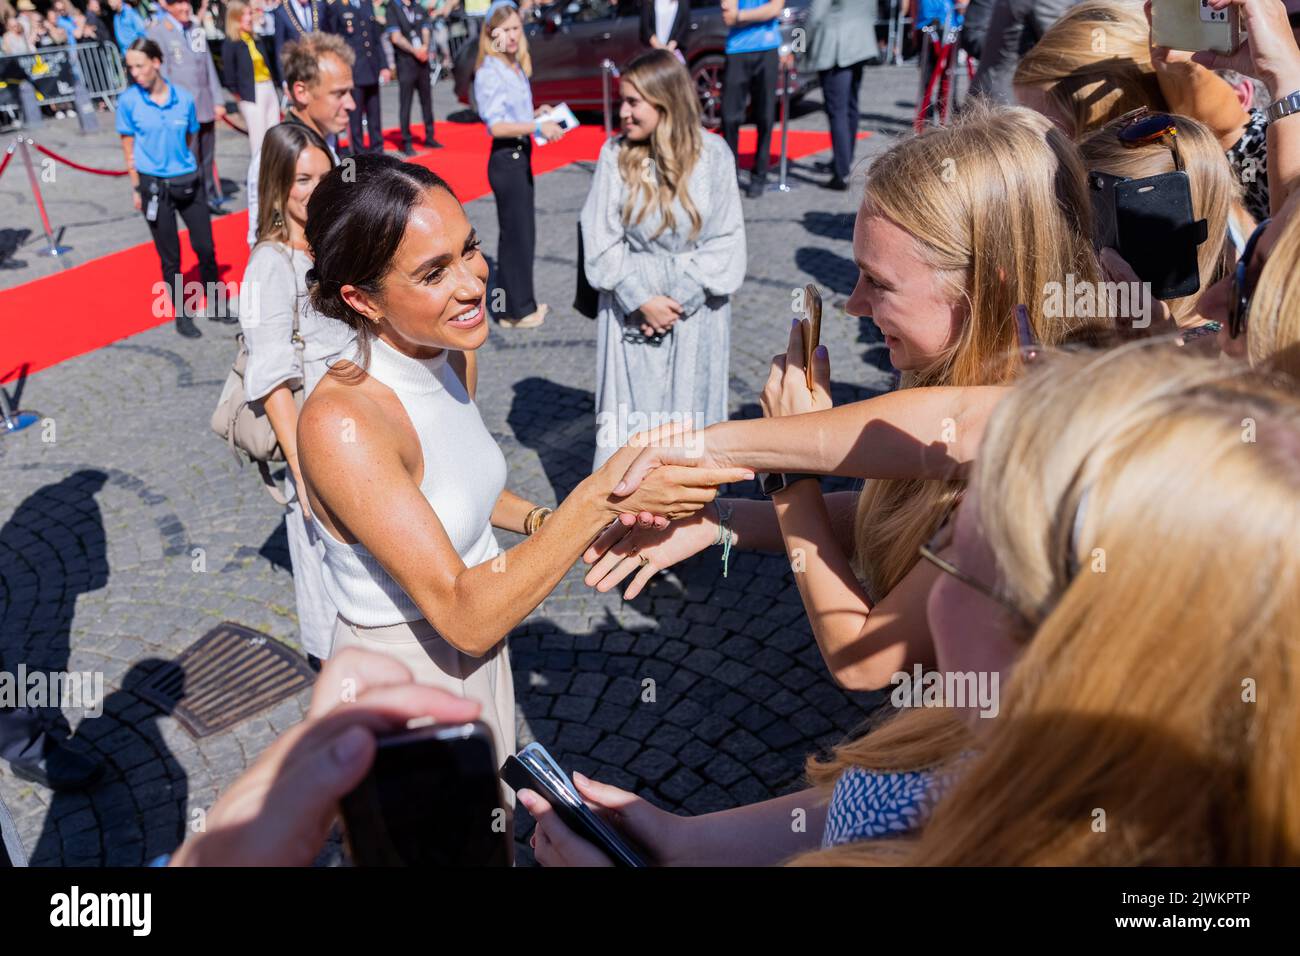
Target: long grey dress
[[641, 384]]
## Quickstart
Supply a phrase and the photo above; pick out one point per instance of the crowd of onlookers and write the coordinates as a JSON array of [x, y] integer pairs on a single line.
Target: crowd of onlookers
[[1071, 558]]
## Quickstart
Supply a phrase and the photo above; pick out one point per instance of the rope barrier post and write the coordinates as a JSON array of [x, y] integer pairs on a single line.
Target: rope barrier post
[[52, 248], [782, 185], [609, 73], [11, 420], [31, 107]]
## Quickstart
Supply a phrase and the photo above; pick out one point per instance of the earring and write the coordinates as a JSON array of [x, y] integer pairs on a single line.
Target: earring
[[277, 220]]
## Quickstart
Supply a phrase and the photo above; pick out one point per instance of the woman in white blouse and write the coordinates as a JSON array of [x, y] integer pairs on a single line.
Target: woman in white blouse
[[274, 290]]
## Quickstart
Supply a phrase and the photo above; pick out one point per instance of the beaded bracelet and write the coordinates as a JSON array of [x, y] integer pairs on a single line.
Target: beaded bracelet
[[726, 537]]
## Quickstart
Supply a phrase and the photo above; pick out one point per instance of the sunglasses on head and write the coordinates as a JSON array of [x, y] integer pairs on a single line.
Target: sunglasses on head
[[1242, 288], [1142, 127]]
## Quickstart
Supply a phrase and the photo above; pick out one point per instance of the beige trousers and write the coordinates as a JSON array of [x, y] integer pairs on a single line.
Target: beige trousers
[[434, 662]]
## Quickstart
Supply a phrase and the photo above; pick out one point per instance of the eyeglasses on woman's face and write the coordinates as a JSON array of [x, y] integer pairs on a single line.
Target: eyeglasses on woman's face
[[941, 541]]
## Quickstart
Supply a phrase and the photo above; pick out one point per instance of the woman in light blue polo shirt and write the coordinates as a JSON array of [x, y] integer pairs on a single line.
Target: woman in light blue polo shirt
[[156, 121]]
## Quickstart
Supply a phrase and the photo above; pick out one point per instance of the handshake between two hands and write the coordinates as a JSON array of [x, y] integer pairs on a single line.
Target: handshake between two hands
[[679, 469]]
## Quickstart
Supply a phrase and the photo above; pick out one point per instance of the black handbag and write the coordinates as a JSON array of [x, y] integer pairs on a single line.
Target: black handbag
[[586, 300]]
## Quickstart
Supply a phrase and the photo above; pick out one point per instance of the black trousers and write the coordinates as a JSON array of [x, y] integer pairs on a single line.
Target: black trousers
[[205, 146], [183, 196], [840, 86], [752, 75], [510, 173], [367, 100], [412, 78]]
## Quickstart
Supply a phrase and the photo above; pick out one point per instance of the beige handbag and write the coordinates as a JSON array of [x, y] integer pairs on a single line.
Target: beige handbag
[[243, 425]]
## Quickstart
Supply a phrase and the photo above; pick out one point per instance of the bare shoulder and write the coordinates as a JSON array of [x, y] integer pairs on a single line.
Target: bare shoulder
[[342, 419]]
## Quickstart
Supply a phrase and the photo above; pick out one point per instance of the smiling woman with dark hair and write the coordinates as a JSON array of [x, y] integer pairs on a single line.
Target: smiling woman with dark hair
[[405, 482]]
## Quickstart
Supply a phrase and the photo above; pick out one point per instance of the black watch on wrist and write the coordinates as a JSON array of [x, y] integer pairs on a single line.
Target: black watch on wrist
[[774, 482]]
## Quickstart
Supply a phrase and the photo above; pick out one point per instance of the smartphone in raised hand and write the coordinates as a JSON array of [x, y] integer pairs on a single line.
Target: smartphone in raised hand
[[1195, 25], [812, 327]]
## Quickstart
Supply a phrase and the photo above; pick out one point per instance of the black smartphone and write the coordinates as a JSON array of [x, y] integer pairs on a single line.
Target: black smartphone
[[534, 768], [432, 798], [1151, 223]]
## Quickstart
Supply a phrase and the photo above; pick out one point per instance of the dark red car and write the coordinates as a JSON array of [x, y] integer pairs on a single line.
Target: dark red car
[[569, 39]]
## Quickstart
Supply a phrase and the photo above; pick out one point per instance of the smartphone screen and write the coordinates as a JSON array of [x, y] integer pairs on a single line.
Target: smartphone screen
[[431, 799]]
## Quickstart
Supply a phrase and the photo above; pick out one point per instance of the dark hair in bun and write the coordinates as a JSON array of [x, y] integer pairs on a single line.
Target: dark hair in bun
[[356, 219]]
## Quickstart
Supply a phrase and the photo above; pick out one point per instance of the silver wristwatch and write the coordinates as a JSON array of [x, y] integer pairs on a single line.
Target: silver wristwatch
[[1284, 107]]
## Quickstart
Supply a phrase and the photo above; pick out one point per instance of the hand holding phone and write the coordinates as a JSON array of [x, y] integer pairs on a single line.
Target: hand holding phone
[[1196, 25], [431, 799], [812, 327], [533, 768]]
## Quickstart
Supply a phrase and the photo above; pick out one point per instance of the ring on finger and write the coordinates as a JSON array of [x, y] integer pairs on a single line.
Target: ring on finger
[[643, 560]]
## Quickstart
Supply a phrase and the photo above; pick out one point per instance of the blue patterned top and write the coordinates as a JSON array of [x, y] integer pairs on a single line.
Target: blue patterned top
[[866, 804]]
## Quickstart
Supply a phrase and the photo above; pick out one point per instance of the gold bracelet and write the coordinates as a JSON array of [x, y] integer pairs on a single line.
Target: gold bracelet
[[535, 519]]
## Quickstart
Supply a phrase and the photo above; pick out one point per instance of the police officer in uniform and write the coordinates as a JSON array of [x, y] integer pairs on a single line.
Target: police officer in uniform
[[354, 20], [409, 29]]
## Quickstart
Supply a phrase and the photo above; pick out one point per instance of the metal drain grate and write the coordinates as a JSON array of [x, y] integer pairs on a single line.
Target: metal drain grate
[[227, 675]]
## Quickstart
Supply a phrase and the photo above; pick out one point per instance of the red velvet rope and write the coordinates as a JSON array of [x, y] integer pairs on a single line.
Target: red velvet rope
[[237, 129], [4, 163], [84, 169]]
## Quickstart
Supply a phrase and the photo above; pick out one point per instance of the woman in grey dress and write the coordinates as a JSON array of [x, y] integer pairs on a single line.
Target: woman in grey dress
[[664, 243]]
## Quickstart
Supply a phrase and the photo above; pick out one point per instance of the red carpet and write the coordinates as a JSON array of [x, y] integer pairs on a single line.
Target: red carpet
[[88, 306]]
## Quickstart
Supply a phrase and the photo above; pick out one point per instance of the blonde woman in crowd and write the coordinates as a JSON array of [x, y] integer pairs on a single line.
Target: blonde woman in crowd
[[1072, 575], [944, 265], [248, 75], [1190, 146], [664, 242]]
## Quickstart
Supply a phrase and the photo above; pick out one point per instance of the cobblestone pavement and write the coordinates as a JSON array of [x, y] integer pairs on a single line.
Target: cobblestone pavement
[[128, 532]]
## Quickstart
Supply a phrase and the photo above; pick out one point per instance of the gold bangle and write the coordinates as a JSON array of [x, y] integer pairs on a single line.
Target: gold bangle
[[535, 519]]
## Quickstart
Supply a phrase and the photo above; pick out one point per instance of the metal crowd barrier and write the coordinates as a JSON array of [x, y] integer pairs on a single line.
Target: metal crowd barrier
[[59, 76]]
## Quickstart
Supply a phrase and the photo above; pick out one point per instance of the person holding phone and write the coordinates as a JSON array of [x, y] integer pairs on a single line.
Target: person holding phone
[[941, 277], [158, 124], [404, 481], [505, 102], [664, 242], [1091, 443]]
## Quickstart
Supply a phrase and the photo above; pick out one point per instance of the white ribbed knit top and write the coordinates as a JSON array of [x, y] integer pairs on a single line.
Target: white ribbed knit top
[[464, 474]]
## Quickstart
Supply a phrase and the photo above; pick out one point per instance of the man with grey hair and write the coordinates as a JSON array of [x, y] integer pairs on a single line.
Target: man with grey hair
[[318, 78]]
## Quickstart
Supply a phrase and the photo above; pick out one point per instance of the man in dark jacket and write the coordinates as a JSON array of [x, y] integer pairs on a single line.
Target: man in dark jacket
[[294, 19], [354, 20]]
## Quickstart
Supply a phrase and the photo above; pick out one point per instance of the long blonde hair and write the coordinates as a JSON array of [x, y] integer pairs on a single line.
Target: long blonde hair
[[1160, 683], [235, 13], [1214, 187], [658, 170], [486, 49], [1273, 325], [998, 205], [1094, 64]]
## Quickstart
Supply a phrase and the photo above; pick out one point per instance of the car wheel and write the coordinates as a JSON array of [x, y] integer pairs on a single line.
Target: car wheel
[[707, 75]]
